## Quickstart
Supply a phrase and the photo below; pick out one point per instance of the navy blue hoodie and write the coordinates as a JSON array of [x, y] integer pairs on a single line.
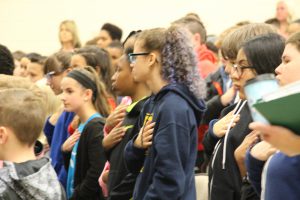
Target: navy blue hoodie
[[166, 169]]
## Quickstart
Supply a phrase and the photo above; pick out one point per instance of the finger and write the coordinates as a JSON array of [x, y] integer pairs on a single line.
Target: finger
[[120, 114], [147, 144], [149, 126], [119, 124], [148, 132], [148, 138]]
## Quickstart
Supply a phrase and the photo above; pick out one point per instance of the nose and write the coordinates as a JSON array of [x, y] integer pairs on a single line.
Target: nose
[[114, 77], [279, 69]]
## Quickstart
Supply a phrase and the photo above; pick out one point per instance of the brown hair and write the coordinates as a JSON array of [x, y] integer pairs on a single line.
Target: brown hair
[[294, 39], [100, 102], [58, 62], [22, 108], [234, 40], [194, 25], [178, 58]]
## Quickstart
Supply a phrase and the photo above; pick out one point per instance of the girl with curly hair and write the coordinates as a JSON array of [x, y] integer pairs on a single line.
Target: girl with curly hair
[[163, 153]]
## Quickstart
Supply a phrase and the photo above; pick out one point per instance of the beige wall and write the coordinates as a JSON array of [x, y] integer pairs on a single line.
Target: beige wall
[[32, 25]]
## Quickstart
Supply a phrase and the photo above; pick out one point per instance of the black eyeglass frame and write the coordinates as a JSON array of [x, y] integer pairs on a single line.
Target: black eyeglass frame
[[131, 56]]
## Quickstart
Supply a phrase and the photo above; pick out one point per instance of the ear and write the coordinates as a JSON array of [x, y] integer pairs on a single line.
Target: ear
[[152, 58], [197, 39], [3, 135], [88, 94]]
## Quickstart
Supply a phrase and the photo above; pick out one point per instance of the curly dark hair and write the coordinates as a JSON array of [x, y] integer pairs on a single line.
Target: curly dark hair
[[178, 58]]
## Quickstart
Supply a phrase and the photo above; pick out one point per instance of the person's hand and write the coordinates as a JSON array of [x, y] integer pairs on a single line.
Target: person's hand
[[240, 152], [114, 136], [262, 151], [249, 140], [281, 138], [105, 176], [220, 127], [144, 138], [228, 96], [75, 122], [70, 142], [116, 116]]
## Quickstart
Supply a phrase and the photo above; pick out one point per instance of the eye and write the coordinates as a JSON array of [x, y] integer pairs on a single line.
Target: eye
[[285, 61], [69, 91]]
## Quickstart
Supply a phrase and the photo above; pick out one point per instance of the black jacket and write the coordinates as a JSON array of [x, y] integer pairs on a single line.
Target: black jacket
[[121, 181], [166, 169], [90, 161], [214, 84], [226, 183]]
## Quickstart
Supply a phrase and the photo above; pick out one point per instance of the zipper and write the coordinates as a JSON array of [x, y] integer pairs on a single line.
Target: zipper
[[212, 164]]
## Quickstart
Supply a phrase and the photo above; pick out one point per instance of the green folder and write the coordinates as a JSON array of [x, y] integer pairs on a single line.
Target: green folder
[[284, 111]]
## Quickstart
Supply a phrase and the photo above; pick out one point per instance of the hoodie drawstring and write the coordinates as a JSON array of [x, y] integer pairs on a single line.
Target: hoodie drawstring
[[236, 111]]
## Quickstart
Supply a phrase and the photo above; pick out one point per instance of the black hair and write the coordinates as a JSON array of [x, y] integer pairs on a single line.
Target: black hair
[[7, 64], [114, 31], [36, 58], [211, 46], [264, 52], [130, 35]]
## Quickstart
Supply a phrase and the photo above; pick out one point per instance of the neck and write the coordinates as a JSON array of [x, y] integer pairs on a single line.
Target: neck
[[86, 112], [20, 153], [67, 46], [156, 82], [141, 91]]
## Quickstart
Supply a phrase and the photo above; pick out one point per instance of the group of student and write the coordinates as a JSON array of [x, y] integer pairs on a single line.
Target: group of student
[[147, 145]]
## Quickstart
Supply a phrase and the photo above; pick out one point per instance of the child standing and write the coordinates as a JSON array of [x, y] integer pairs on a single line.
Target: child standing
[[22, 114], [164, 153], [83, 152]]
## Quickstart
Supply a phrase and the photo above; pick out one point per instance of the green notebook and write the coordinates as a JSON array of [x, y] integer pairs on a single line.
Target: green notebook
[[283, 111]]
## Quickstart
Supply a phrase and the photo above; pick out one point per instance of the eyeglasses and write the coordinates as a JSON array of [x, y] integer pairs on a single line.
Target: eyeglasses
[[132, 56], [240, 69], [49, 75]]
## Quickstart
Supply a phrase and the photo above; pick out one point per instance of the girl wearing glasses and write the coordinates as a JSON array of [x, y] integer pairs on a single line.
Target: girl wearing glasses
[[258, 56], [277, 177], [164, 154]]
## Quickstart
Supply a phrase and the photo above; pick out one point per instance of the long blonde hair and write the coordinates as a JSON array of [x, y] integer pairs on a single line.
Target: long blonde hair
[[71, 26]]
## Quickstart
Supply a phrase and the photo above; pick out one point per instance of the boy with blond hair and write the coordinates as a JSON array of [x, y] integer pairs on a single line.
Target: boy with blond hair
[[22, 115]]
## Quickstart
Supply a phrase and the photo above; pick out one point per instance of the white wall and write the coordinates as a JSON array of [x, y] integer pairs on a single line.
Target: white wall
[[32, 25]]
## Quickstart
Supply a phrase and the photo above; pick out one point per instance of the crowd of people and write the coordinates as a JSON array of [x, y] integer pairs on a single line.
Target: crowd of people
[[138, 119]]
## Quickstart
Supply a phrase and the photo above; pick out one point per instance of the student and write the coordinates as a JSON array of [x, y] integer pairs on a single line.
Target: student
[[56, 68], [207, 61], [21, 121], [277, 177], [164, 60], [115, 50], [120, 181], [109, 33], [263, 52], [223, 135], [83, 152]]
